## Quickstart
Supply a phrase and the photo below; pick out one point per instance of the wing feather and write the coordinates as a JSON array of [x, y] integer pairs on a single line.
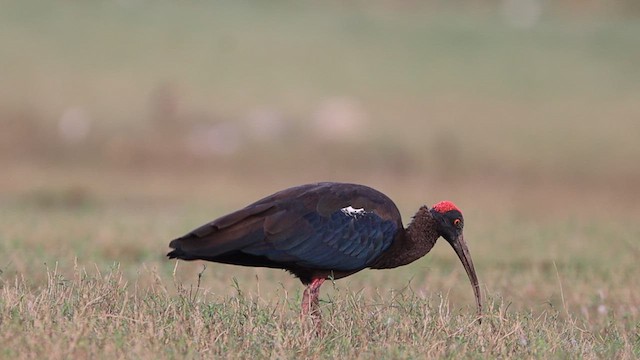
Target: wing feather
[[338, 242], [302, 227]]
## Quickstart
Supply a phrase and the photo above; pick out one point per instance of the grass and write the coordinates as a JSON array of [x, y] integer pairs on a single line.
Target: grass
[[92, 281], [101, 313], [532, 132]]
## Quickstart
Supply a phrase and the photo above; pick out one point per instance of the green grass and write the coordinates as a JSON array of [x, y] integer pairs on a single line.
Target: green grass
[[92, 281], [90, 314]]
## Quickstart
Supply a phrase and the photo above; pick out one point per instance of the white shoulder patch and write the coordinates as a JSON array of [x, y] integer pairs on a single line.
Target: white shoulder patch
[[350, 211]]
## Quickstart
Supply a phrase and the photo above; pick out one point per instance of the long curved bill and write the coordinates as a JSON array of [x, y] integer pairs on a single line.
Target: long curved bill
[[461, 249]]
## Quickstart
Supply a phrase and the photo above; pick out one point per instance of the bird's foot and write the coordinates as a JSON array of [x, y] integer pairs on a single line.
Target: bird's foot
[[310, 308]]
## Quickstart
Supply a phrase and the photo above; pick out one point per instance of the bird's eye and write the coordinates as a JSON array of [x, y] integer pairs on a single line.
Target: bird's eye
[[457, 223]]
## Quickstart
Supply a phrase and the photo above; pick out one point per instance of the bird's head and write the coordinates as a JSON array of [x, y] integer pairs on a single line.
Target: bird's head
[[450, 224], [449, 221]]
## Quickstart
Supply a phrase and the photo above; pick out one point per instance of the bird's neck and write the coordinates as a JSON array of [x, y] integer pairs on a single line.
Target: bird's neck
[[412, 243]]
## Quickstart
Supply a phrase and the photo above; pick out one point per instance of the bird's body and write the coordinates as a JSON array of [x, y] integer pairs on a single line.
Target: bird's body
[[319, 231]]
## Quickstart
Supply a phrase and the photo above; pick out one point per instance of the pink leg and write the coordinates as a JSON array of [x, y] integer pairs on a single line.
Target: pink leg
[[310, 302]]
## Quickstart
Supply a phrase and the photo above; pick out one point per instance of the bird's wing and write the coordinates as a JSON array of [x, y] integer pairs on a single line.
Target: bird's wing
[[343, 240], [228, 233], [233, 231], [320, 226]]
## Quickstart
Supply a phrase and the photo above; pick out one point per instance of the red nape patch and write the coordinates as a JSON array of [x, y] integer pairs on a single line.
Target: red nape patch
[[445, 206]]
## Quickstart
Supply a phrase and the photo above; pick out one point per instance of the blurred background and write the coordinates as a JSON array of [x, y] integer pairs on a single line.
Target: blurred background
[[522, 93], [125, 123]]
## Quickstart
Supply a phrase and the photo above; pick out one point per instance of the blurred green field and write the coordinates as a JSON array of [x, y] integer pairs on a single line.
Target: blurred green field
[[442, 88], [124, 124]]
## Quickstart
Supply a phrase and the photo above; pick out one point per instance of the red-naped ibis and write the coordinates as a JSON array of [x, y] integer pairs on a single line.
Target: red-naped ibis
[[326, 230]]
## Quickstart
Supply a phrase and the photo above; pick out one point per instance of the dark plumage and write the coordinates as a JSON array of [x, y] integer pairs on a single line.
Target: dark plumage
[[323, 230]]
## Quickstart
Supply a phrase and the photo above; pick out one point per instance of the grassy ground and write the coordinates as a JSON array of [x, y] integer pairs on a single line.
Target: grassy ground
[[533, 132], [89, 278]]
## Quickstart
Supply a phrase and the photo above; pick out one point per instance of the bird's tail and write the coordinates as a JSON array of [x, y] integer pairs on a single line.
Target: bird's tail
[[177, 252]]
